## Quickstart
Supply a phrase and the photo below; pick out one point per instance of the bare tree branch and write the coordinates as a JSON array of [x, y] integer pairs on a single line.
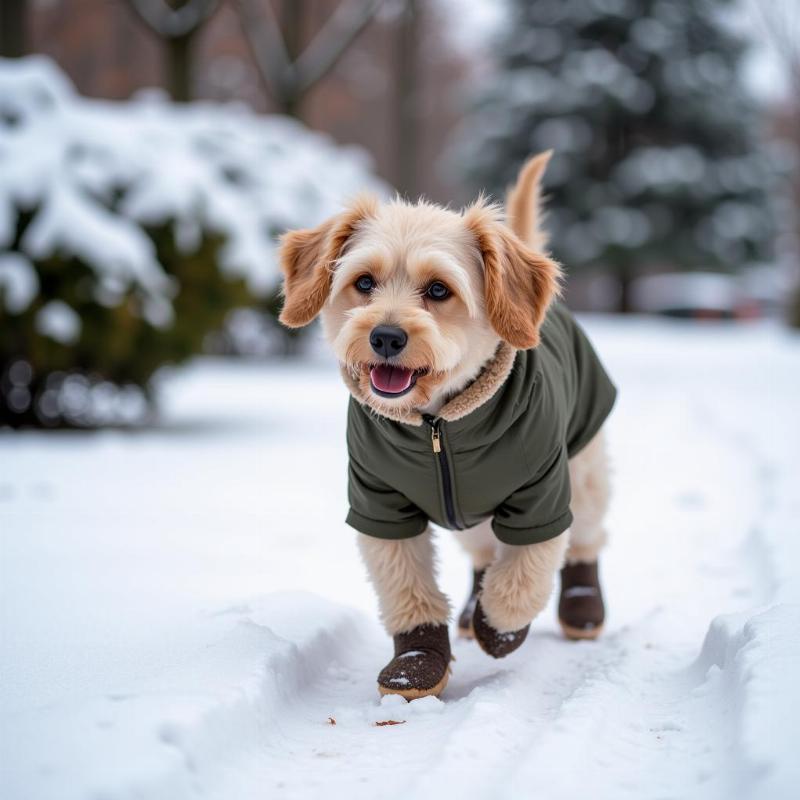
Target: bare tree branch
[[174, 21], [289, 80], [327, 48], [265, 42]]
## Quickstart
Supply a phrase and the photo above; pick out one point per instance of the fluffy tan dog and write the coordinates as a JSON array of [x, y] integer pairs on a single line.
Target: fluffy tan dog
[[436, 318]]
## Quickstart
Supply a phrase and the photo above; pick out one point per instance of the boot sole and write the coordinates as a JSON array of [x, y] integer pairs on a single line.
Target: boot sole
[[576, 634], [415, 694]]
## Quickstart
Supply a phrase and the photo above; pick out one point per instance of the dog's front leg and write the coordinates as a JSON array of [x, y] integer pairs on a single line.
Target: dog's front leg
[[516, 587], [413, 610], [403, 572]]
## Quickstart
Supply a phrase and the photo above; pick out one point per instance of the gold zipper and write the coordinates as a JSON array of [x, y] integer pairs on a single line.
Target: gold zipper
[[437, 444]]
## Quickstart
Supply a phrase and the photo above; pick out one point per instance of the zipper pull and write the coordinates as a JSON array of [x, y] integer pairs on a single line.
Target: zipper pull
[[435, 440]]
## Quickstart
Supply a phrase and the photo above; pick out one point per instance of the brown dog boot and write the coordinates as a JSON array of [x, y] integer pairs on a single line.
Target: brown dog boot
[[581, 611], [465, 617], [493, 642], [421, 663]]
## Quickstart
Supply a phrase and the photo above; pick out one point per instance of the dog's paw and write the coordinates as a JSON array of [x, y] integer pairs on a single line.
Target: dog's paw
[[421, 664], [493, 642], [507, 609], [581, 610]]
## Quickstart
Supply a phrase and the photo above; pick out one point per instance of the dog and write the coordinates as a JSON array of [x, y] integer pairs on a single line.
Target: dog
[[477, 404]]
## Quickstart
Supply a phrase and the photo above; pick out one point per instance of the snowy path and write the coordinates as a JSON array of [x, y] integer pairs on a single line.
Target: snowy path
[[157, 646]]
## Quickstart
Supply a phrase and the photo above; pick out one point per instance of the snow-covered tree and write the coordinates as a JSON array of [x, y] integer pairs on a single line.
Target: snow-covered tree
[[657, 162], [130, 231]]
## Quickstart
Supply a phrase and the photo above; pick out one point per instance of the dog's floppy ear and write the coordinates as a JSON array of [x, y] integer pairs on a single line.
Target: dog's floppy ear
[[519, 283], [308, 259]]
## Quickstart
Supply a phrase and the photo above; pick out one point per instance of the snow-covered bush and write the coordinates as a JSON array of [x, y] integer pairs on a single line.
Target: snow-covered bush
[[128, 231]]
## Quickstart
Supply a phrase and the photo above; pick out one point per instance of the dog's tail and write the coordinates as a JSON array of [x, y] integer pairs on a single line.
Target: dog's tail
[[524, 202]]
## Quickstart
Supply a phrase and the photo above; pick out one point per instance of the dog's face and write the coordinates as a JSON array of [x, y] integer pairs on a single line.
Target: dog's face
[[406, 312], [415, 298]]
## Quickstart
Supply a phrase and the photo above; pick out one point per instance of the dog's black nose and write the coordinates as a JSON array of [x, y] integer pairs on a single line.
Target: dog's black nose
[[387, 340]]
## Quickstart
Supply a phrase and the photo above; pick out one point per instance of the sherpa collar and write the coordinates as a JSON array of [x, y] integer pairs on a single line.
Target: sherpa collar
[[481, 390]]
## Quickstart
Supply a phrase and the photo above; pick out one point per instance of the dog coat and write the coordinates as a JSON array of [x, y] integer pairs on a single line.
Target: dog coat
[[499, 449]]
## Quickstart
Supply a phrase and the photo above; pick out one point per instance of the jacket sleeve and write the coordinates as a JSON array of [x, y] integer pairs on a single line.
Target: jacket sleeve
[[377, 509], [539, 509]]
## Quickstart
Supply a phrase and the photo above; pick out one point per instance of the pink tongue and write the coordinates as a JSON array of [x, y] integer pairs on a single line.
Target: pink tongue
[[390, 379]]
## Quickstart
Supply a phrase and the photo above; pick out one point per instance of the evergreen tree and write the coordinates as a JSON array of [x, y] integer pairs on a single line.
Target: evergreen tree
[[657, 163]]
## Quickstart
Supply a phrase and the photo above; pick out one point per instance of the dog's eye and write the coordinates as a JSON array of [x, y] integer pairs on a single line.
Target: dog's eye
[[365, 284], [438, 291]]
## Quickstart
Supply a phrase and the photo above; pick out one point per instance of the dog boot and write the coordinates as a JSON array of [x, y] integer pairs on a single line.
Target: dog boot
[[493, 642], [421, 663], [580, 609], [465, 617]]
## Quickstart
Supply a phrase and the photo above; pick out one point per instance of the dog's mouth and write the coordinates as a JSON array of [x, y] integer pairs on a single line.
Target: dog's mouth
[[392, 380]]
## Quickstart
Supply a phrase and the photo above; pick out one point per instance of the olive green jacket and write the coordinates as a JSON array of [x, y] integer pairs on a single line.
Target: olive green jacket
[[499, 449]]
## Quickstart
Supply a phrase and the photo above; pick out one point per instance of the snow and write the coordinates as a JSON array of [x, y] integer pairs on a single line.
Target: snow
[[184, 613], [753, 660], [19, 283], [59, 322], [97, 172]]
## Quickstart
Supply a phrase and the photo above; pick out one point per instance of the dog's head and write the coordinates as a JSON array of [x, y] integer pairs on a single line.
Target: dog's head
[[415, 298]]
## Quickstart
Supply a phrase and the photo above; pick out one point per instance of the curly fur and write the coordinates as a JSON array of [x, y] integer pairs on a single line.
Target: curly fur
[[520, 283], [519, 582], [501, 284], [591, 491], [524, 202], [403, 573]]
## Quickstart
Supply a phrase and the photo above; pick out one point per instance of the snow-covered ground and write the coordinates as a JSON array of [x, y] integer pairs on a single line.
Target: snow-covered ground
[[184, 614]]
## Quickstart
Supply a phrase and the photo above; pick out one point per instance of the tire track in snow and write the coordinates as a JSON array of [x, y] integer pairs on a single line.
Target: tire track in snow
[[303, 755], [653, 727], [628, 716]]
